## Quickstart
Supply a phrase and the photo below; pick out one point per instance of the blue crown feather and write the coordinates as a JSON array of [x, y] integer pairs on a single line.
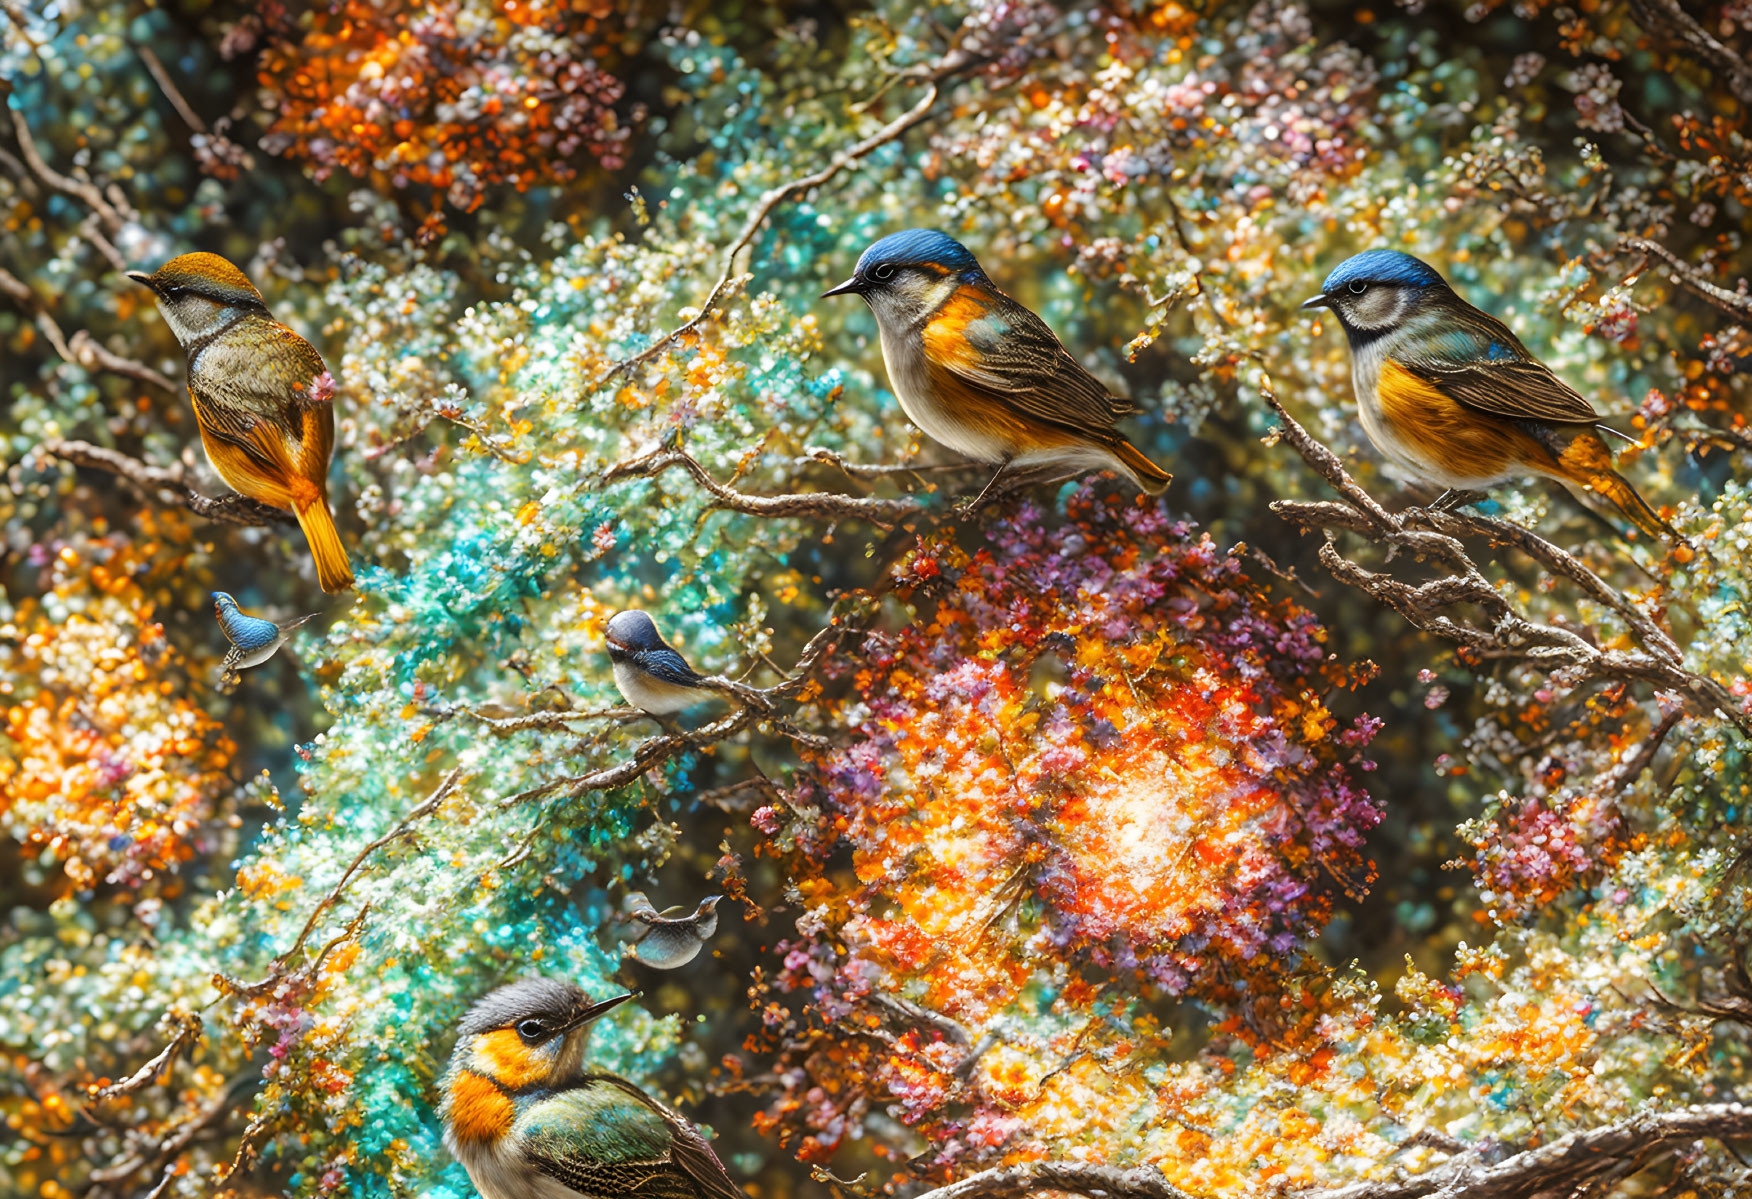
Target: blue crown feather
[[914, 246], [1382, 266]]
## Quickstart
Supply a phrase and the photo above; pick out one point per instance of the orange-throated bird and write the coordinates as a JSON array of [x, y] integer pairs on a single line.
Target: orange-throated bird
[[983, 375], [529, 1121], [1452, 396], [250, 380]]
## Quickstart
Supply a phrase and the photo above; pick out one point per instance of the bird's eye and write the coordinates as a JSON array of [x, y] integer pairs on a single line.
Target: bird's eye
[[531, 1030], [1357, 289], [882, 271]]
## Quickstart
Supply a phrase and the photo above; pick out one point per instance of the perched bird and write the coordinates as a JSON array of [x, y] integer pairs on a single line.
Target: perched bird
[[265, 429], [983, 375], [253, 640], [1451, 395], [674, 936], [528, 1121], [650, 674]]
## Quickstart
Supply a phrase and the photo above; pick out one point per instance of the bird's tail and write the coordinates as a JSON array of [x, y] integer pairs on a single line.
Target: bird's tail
[[1588, 464], [311, 508], [1152, 478]]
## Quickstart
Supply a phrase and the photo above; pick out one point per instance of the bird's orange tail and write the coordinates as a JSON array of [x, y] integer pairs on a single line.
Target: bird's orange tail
[[1152, 478], [332, 570], [1588, 464], [1621, 495]]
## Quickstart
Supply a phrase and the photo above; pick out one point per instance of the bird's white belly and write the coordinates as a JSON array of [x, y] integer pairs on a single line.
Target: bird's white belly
[[904, 355], [1409, 458], [500, 1172], [652, 695], [255, 657]]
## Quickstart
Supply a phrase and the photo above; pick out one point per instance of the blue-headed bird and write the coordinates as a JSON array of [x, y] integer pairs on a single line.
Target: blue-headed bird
[[983, 375], [1450, 394]]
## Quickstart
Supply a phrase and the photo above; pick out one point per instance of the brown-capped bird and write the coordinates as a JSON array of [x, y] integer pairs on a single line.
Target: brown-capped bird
[[250, 378]]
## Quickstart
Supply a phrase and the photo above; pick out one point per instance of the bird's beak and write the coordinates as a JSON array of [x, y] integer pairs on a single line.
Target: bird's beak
[[850, 287], [596, 1011], [142, 278], [1319, 301]]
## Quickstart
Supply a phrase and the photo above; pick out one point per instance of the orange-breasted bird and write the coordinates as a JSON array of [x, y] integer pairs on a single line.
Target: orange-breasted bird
[[528, 1121], [1451, 395], [250, 377], [983, 375]]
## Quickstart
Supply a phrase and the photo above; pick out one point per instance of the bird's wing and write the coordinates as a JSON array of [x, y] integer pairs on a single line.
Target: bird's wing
[[688, 1149], [247, 632], [253, 391], [1476, 360], [668, 665], [608, 1138], [1004, 353]]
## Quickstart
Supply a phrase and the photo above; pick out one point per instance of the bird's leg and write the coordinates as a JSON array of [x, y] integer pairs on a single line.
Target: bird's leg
[[229, 677], [971, 508]]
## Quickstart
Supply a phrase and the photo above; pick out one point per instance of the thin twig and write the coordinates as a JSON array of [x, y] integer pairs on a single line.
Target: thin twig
[[1075, 1178], [947, 67], [277, 969], [884, 513], [1735, 303], [1668, 18], [187, 1030], [168, 484], [81, 349], [113, 217]]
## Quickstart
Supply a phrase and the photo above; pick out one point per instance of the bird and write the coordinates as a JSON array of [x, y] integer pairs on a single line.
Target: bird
[[648, 671], [528, 1120], [674, 936], [984, 376], [253, 640], [1452, 396], [265, 423]]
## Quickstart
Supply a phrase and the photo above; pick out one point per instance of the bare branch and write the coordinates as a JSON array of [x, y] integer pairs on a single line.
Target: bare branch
[[1074, 1178], [1735, 303], [278, 968], [1506, 634], [168, 485], [188, 1029], [168, 86], [1564, 1165], [950, 65], [1668, 19], [112, 216], [81, 349], [884, 513]]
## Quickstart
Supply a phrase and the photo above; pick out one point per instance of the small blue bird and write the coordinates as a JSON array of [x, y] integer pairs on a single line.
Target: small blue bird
[[1451, 395], [253, 640], [650, 674], [983, 375]]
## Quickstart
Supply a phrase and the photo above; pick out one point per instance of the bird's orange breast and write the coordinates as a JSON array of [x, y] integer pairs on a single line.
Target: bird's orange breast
[[945, 334], [1443, 432], [479, 1112]]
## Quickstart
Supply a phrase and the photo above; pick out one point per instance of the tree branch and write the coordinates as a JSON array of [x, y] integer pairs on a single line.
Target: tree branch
[[1564, 1165], [81, 349], [1075, 1178], [168, 485], [277, 969], [1737, 304], [950, 65], [884, 513], [1506, 634], [1668, 19]]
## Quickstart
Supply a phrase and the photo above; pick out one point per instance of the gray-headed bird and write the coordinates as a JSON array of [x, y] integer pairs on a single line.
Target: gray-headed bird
[[528, 1119]]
